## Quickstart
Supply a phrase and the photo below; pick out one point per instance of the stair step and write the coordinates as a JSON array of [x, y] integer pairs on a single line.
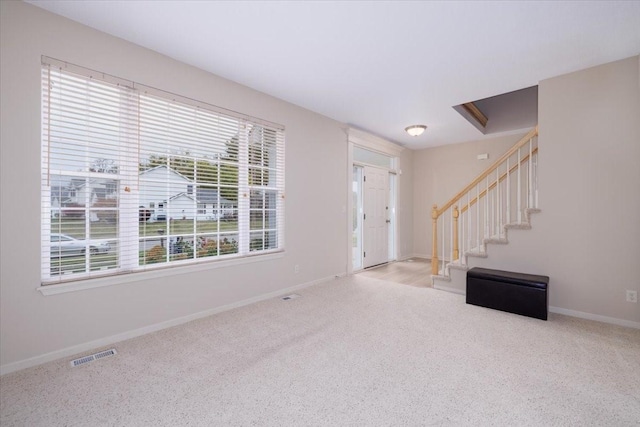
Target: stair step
[[476, 253], [519, 225], [496, 240], [444, 276], [457, 266]]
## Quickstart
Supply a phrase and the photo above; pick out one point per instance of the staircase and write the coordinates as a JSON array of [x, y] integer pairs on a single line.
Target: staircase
[[501, 198]]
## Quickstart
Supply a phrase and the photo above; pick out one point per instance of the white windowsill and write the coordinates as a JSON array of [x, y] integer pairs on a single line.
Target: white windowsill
[[119, 279]]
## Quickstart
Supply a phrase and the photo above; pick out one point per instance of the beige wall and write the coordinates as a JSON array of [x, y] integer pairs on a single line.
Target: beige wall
[[32, 325], [440, 172], [589, 232], [587, 237], [589, 177]]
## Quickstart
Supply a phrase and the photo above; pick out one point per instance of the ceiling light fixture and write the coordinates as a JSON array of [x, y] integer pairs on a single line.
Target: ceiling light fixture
[[415, 130]]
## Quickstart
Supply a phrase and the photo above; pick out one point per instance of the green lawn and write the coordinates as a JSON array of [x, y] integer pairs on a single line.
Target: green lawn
[[181, 226], [104, 230], [76, 264], [155, 254]]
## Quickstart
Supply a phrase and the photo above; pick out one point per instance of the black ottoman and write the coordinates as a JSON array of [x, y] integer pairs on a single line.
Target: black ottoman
[[518, 293]]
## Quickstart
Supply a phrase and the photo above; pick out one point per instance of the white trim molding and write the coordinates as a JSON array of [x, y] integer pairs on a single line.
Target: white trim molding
[[451, 289], [360, 138], [375, 143], [119, 279], [596, 317], [563, 311]]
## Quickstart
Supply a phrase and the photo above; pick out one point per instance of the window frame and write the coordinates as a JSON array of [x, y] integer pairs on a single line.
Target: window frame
[[129, 271]]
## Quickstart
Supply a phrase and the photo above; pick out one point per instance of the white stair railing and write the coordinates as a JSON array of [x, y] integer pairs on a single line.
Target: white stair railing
[[481, 211]]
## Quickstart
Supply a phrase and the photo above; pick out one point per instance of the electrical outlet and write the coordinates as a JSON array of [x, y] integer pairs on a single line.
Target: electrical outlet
[[632, 296], [296, 269]]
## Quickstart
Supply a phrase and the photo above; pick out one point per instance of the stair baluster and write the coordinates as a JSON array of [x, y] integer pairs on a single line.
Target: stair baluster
[[486, 210], [536, 181], [469, 219], [498, 210], [508, 193], [530, 198], [519, 204], [490, 220], [478, 216], [434, 246], [444, 218], [454, 233]]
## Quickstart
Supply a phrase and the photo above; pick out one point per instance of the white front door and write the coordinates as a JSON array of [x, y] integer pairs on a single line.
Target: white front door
[[376, 216]]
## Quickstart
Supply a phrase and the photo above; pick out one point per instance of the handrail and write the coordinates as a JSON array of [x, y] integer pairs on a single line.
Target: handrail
[[457, 210], [483, 175], [493, 184]]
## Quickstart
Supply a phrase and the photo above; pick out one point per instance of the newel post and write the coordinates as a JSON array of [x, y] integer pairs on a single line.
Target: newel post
[[456, 214], [434, 248]]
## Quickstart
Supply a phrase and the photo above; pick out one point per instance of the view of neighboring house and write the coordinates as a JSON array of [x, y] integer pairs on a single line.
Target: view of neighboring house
[[70, 199], [164, 192], [213, 206], [168, 194]]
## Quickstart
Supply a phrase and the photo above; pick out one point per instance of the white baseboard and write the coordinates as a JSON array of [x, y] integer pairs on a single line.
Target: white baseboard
[[596, 317], [102, 342], [425, 256], [450, 289], [566, 312]]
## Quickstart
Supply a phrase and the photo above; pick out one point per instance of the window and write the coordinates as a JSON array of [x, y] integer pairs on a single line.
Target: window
[[373, 158], [115, 150]]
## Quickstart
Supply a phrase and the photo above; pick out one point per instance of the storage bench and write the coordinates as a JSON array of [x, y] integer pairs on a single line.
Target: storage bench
[[518, 293]]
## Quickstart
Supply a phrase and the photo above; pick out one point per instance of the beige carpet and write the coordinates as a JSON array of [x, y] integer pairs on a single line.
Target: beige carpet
[[355, 351]]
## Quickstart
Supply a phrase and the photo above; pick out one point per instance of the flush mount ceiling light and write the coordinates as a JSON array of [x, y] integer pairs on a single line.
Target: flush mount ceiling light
[[415, 130]]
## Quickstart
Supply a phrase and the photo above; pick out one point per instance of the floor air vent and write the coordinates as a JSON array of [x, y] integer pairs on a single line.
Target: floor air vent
[[291, 296], [92, 357]]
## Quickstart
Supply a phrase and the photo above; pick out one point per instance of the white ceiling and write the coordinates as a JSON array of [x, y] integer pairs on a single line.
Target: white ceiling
[[376, 65]]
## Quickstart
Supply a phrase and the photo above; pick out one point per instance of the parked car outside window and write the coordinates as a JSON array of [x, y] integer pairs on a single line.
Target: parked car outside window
[[64, 245]]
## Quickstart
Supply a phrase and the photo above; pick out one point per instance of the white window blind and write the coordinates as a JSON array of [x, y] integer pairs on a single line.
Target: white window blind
[[134, 178]]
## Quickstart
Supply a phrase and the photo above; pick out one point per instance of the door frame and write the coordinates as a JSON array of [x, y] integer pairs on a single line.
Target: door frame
[[356, 137]]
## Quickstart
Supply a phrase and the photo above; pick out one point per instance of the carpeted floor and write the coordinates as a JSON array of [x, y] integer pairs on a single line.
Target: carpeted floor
[[354, 351]]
